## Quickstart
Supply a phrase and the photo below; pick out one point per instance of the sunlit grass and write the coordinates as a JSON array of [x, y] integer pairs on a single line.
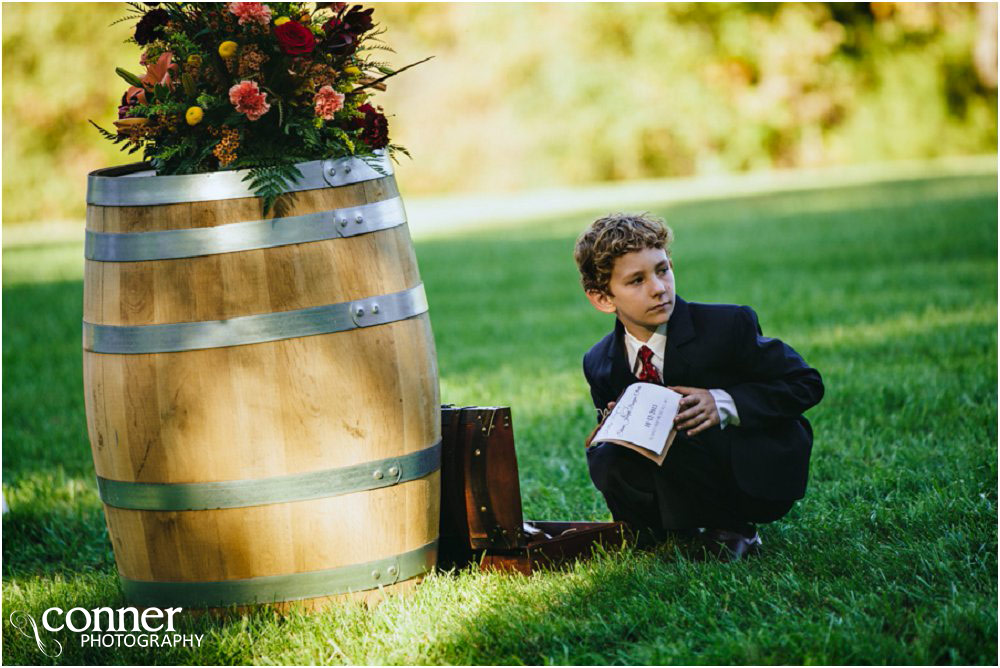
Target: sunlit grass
[[889, 291], [43, 263]]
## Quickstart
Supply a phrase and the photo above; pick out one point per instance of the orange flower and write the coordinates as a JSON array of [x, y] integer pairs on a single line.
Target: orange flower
[[156, 73]]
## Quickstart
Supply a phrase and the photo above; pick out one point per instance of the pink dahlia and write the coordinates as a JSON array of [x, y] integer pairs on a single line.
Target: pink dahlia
[[249, 100], [328, 102], [251, 12]]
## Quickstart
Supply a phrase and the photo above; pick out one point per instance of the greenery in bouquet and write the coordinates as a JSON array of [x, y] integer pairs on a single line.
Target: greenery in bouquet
[[254, 85]]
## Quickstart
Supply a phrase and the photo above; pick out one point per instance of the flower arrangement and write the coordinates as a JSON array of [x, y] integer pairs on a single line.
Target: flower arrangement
[[253, 85]]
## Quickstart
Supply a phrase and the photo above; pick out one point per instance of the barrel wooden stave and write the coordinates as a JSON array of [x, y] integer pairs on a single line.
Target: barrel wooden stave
[[228, 285], [266, 410], [315, 535], [250, 282]]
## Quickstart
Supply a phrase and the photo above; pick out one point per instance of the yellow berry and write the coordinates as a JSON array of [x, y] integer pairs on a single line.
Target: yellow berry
[[228, 49], [194, 115], [281, 20]]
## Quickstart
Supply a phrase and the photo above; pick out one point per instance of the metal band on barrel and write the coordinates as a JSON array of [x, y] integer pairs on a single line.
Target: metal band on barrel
[[278, 588], [266, 491], [138, 185], [172, 244], [244, 330]]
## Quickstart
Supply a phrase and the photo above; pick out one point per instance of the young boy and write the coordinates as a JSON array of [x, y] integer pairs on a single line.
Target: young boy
[[741, 454]]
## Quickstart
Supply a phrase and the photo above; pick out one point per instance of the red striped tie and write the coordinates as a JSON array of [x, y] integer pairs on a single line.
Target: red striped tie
[[648, 373]]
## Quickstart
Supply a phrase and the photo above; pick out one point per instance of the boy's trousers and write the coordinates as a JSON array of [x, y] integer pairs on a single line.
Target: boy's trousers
[[694, 488]]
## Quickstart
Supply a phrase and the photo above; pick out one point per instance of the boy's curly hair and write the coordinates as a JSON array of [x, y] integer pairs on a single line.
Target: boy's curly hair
[[608, 238]]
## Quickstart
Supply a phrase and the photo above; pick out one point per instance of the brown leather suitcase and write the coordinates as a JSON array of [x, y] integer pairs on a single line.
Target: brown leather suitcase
[[481, 516]]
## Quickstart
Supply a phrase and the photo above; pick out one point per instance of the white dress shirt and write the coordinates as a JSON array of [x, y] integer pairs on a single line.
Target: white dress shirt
[[658, 344]]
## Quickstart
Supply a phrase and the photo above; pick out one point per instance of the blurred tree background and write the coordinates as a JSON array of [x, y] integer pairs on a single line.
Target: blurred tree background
[[521, 96]]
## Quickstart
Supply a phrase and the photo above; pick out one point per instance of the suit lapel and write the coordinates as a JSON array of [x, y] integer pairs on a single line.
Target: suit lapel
[[621, 375], [680, 330]]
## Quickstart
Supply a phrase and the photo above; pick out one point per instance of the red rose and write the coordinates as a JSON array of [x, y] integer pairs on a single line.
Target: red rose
[[295, 39]]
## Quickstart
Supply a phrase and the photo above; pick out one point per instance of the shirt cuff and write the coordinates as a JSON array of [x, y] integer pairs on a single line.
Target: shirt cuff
[[727, 409]]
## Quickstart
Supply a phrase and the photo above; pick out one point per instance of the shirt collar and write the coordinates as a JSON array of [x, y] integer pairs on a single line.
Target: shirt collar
[[657, 343]]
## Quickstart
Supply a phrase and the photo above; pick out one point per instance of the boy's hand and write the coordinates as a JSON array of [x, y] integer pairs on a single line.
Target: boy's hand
[[611, 404], [697, 410]]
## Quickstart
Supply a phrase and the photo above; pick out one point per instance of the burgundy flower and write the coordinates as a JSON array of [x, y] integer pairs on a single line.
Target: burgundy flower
[[150, 26], [358, 21], [374, 127], [338, 40], [333, 25], [125, 108], [343, 31], [294, 38]]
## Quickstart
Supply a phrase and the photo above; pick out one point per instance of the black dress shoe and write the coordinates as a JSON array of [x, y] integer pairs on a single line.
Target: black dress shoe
[[729, 545]]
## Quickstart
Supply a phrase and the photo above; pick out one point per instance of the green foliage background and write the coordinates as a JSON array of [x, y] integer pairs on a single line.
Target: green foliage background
[[552, 94]]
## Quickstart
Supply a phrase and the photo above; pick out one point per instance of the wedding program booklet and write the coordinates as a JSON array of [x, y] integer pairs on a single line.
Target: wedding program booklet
[[642, 420]]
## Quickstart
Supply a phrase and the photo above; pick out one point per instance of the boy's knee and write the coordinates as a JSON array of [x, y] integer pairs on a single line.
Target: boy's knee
[[599, 461], [609, 464]]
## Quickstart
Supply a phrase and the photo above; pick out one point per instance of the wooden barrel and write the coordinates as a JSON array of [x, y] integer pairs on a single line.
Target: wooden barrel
[[262, 394]]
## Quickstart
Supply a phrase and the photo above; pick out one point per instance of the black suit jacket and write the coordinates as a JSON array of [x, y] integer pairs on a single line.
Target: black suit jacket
[[720, 346]]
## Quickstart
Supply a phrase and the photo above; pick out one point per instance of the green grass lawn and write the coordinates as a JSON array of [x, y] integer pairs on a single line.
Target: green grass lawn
[[888, 290]]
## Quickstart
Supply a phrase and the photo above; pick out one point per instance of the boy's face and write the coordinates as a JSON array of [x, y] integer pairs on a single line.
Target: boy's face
[[641, 291]]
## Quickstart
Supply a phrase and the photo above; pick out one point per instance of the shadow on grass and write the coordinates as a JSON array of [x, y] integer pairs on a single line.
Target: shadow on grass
[[45, 428], [229, 641], [62, 541]]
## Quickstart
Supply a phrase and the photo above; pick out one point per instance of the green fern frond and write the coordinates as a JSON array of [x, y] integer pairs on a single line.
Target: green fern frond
[[396, 148], [379, 46], [271, 181], [117, 139], [121, 20], [107, 135], [375, 162]]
